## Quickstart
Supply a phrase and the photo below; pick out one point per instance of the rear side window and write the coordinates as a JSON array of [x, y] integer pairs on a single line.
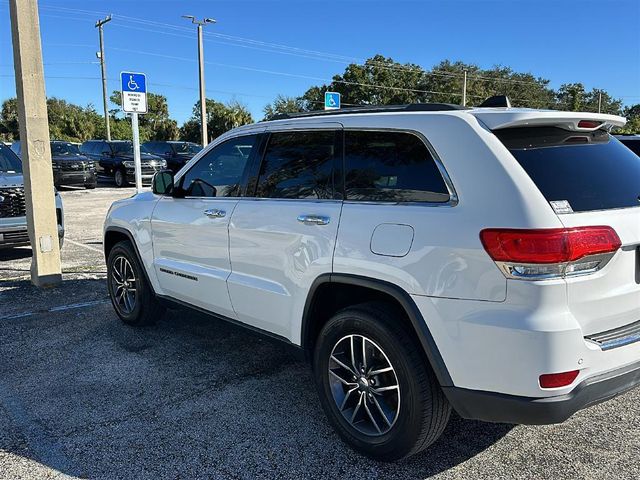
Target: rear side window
[[590, 171], [298, 165], [391, 167]]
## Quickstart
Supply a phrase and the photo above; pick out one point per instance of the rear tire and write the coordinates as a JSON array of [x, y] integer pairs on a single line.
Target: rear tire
[[391, 423], [120, 177], [131, 295]]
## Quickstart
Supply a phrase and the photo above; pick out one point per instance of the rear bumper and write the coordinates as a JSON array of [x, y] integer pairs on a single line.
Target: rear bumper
[[502, 408]]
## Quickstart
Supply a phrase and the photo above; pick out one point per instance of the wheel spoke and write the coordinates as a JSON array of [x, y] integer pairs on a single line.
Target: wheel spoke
[[346, 397], [355, 410], [364, 353], [373, 420], [384, 389], [353, 358], [342, 380], [384, 415], [381, 370], [343, 365]]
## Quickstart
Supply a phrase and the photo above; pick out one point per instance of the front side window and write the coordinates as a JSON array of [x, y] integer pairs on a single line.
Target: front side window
[[391, 167], [219, 173], [298, 165]]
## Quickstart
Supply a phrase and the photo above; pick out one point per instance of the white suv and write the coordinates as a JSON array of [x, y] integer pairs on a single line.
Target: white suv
[[425, 258]]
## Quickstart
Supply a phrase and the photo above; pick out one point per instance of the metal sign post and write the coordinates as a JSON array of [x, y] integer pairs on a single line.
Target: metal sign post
[[134, 101]]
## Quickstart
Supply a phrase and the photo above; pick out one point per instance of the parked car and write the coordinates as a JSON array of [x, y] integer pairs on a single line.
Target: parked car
[[632, 142], [425, 258], [176, 153], [70, 167], [114, 160], [13, 221]]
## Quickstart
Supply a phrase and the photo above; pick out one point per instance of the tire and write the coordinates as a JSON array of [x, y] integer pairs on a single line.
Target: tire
[[90, 186], [416, 412], [140, 307], [120, 177]]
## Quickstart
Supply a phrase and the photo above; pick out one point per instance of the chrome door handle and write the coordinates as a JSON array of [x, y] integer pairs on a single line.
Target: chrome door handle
[[313, 219], [215, 213]]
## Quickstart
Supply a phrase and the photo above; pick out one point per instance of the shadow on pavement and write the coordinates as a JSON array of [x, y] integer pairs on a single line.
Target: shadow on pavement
[[18, 253], [189, 397]]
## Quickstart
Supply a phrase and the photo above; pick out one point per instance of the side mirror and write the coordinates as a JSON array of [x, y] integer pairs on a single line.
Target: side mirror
[[162, 183]]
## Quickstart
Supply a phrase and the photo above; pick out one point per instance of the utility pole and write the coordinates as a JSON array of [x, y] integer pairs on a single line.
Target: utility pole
[[599, 101], [36, 149], [464, 90], [103, 67], [203, 99]]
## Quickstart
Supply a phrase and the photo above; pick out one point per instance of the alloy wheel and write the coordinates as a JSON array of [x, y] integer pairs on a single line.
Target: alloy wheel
[[364, 385], [123, 285]]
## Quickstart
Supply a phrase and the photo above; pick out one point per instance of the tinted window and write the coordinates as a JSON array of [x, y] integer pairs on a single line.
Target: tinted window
[[9, 161], [63, 148], [633, 145], [15, 146], [184, 148], [219, 172], [87, 147], [298, 165], [392, 167], [592, 171]]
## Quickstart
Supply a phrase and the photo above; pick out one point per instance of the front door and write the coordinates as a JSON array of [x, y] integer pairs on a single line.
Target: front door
[[190, 228], [283, 239]]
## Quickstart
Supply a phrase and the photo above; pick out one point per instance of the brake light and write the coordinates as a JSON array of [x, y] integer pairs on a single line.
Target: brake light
[[588, 124], [550, 252], [556, 380]]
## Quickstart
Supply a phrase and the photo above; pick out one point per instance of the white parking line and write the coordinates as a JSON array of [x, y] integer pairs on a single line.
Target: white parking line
[[82, 245], [60, 308]]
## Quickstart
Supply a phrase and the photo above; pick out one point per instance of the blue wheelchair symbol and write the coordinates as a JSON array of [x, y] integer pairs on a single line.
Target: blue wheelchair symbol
[[133, 82]]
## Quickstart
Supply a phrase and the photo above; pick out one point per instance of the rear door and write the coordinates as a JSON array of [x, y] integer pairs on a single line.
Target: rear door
[[190, 230], [283, 238], [590, 179]]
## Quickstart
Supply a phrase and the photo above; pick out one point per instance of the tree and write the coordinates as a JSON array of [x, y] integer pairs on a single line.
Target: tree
[[633, 120], [379, 81], [575, 98], [220, 118], [156, 123], [283, 104]]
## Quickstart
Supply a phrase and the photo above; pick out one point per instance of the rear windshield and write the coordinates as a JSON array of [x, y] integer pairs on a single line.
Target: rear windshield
[[590, 171]]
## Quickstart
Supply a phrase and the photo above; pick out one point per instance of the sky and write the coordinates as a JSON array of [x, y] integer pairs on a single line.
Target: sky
[[259, 49]]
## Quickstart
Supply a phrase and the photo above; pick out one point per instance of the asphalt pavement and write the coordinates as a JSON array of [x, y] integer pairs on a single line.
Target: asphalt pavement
[[83, 396]]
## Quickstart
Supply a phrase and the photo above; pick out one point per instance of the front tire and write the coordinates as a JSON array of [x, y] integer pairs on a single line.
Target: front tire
[[376, 386], [120, 177], [131, 296]]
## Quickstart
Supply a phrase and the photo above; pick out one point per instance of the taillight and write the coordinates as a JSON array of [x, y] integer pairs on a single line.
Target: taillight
[[556, 380], [550, 253]]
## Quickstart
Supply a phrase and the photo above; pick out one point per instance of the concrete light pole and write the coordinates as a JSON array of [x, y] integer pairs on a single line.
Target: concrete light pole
[[464, 90], [34, 137], [103, 68], [203, 99]]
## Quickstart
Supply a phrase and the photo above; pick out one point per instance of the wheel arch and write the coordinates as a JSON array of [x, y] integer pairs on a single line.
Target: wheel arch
[[357, 288], [112, 236]]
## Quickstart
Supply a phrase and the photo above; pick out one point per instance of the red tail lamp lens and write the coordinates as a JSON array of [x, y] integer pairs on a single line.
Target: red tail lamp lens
[[556, 380], [588, 124], [553, 245]]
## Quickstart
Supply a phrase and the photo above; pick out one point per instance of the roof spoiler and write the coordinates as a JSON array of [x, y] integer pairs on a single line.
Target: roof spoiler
[[495, 119], [496, 101]]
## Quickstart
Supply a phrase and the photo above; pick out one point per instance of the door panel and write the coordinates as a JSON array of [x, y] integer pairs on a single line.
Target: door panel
[[275, 258], [191, 251], [281, 242]]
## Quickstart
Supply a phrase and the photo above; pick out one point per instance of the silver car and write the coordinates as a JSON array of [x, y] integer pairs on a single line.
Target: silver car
[[13, 220]]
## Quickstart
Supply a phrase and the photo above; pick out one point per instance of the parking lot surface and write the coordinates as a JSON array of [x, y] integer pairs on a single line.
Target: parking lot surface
[[83, 396]]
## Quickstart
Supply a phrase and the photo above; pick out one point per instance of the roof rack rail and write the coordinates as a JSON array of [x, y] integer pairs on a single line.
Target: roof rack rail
[[411, 107]]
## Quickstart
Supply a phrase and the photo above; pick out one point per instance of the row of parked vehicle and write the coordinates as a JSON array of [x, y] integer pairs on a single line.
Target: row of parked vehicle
[[81, 165]]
